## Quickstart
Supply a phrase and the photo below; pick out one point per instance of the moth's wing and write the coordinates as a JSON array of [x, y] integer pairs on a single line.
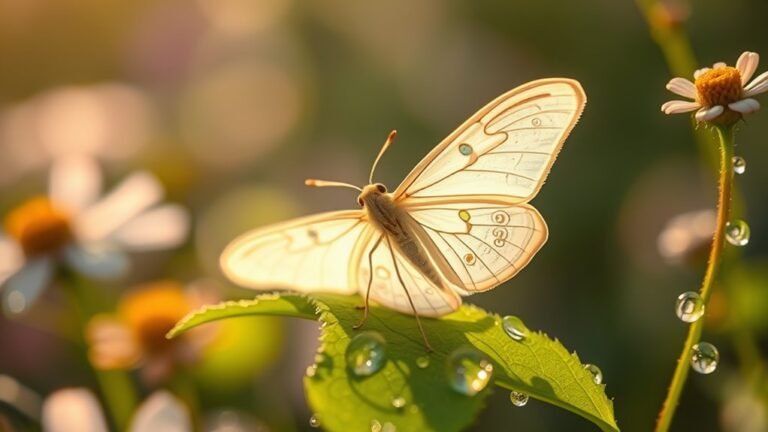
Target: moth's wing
[[484, 244], [504, 152], [314, 253], [387, 289]]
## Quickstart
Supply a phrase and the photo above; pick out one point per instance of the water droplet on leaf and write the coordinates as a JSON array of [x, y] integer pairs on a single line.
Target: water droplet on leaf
[[689, 307], [366, 353], [314, 421], [398, 402], [518, 399], [597, 374], [515, 327], [737, 232], [422, 362], [739, 164], [704, 358], [375, 426], [469, 370]]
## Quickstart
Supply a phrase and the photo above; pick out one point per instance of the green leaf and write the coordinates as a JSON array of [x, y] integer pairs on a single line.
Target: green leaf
[[538, 366]]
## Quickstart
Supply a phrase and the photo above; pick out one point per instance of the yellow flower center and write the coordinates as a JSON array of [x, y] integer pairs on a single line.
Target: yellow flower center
[[719, 86], [38, 226], [152, 310]]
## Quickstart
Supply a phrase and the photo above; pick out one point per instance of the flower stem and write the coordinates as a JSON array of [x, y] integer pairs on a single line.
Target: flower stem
[[116, 386], [725, 135]]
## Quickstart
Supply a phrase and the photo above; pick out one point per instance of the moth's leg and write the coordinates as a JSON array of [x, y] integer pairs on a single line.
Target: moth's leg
[[410, 300], [370, 282]]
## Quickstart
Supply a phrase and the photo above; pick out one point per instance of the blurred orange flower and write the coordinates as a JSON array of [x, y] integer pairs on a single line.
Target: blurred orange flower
[[135, 335]]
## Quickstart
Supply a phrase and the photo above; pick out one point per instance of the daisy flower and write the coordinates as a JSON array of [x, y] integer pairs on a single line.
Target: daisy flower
[[77, 409], [135, 335], [721, 94], [89, 234]]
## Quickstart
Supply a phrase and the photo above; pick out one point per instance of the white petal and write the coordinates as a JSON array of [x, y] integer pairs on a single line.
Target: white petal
[[700, 72], [74, 409], [96, 261], [682, 87], [135, 194], [745, 106], [25, 286], [75, 182], [161, 412], [757, 86], [159, 228], [677, 107], [719, 65], [709, 113], [747, 64], [11, 258]]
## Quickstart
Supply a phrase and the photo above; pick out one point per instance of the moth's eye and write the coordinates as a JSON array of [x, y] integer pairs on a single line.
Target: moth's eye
[[360, 201], [381, 188]]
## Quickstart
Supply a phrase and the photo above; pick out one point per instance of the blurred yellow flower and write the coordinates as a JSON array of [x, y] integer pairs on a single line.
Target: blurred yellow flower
[[91, 234], [135, 336], [721, 94]]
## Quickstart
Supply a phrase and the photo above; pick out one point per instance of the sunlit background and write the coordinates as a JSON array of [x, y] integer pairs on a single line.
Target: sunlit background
[[231, 104]]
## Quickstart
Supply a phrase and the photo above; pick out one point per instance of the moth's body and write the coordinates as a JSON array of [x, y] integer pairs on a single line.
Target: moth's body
[[394, 222], [458, 224]]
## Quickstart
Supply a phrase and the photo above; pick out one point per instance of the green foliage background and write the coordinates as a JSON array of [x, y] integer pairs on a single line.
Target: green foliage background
[[358, 70]]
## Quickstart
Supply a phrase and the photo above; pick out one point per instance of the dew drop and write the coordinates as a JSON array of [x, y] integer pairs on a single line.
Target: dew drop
[[375, 426], [515, 328], [314, 421], [739, 164], [518, 399], [388, 427], [422, 362], [366, 353], [16, 302], [704, 358], [468, 370], [597, 374], [737, 232], [398, 402], [465, 149], [311, 370], [689, 307]]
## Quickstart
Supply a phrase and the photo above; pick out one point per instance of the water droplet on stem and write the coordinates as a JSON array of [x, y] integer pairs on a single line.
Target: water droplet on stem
[[704, 358], [737, 232], [689, 307]]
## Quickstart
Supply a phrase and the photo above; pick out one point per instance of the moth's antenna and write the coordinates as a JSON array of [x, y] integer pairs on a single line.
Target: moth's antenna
[[384, 148], [327, 183]]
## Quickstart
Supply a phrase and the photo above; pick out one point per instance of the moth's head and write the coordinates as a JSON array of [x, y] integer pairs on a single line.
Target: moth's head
[[370, 191]]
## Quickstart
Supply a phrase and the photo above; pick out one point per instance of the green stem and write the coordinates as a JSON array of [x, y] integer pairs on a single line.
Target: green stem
[[116, 386], [715, 255]]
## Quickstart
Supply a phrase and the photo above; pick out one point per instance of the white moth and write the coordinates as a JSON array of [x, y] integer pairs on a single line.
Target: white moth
[[459, 223]]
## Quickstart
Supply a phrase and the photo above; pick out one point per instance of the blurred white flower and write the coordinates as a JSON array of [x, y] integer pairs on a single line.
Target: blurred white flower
[[77, 409], [90, 234], [722, 93]]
